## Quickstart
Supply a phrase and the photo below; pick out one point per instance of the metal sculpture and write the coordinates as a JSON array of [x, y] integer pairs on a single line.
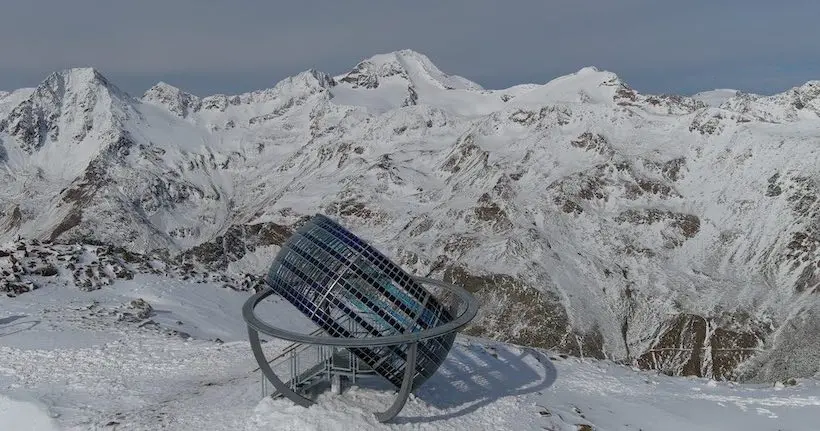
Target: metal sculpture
[[363, 302]]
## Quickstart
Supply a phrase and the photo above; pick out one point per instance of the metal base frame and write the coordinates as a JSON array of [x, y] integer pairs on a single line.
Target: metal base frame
[[411, 340]]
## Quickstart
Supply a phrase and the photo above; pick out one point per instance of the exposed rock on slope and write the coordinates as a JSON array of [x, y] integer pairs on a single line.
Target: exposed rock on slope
[[26, 264]]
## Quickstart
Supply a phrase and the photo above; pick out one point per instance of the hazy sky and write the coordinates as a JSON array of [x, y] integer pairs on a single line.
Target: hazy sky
[[210, 46]]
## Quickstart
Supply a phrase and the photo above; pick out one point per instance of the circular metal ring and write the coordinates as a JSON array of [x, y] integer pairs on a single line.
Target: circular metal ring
[[455, 324]]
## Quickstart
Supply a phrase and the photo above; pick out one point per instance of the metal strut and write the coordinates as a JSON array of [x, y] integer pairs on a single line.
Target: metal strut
[[404, 391]]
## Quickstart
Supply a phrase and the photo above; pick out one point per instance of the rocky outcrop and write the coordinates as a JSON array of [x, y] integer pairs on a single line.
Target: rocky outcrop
[[234, 244], [26, 264], [692, 345]]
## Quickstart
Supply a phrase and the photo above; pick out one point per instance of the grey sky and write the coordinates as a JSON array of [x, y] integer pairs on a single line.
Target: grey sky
[[210, 46]]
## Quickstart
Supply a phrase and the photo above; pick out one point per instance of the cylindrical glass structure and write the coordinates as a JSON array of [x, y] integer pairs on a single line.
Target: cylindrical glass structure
[[350, 289]]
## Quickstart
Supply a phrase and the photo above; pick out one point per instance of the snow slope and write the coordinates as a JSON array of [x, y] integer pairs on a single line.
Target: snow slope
[[19, 415], [78, 360], [587, 217]]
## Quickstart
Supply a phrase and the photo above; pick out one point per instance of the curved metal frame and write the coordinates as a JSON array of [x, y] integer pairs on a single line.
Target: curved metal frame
[[411, 339]]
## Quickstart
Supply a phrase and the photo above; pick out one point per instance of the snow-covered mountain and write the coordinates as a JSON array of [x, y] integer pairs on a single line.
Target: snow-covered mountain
[[587, 217]]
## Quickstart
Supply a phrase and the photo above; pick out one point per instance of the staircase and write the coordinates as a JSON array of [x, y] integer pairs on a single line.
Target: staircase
[[308, 366]]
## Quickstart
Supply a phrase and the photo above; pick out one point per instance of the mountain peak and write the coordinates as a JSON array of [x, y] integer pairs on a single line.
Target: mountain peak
[[310, 80], [65, 107], [588, 84], [78, 79], [810, 90], [716, 97], [596, 74], [175, 100], [82, 73], [587, 70], [412, 66], [403, 55], [164, 87]]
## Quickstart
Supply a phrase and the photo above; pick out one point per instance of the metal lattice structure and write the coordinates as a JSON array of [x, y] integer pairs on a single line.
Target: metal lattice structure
[[364, 303]]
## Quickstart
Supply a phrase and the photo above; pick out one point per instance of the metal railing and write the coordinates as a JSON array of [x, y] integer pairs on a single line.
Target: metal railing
[[305, 362]]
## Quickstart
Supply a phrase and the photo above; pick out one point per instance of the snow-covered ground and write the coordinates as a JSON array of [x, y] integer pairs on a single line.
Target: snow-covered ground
[[77, 360]]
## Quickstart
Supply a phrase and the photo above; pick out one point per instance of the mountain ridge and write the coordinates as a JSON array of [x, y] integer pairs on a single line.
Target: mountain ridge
[[586, 216]]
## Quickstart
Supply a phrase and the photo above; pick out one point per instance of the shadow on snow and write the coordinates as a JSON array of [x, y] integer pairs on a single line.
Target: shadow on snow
[[10, 326], [476, 375]]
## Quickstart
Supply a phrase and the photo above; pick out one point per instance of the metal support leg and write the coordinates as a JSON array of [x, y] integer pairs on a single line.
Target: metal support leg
[[278, 384], [336, 384], [404, 391], [264, 386]]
